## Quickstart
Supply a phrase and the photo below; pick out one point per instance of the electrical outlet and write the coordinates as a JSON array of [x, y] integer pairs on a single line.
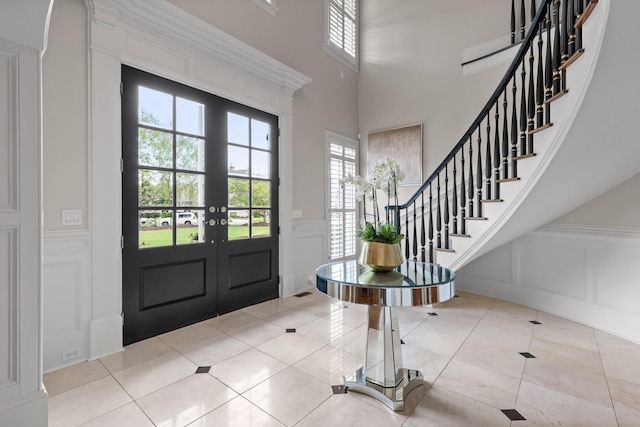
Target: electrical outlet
[[70, 354]]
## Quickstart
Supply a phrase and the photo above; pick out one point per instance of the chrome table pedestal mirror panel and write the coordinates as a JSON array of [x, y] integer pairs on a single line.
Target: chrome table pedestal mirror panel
[[411, 284]]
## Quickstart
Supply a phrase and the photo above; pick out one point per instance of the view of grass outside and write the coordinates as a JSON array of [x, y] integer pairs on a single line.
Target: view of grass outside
[[149, 238]]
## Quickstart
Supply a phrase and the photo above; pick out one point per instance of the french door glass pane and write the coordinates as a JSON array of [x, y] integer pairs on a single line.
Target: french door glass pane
[[155, 188], [238, 161], [190, 189], [260, 194], [189, 117], [237, 129], [238, 227], [155, 148], [260, 164], [189, 227], [155, 108], [260, 134], [190, 153], [261, 222], [238, 193], [154, 228]]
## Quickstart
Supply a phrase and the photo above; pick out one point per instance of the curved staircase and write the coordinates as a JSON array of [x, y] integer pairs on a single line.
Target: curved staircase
[[535, 150]]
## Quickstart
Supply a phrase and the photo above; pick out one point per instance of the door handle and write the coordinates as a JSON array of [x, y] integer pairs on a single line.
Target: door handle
[[211, 222]]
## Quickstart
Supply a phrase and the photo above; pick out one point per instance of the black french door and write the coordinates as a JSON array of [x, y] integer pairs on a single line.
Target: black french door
[[199, 205]]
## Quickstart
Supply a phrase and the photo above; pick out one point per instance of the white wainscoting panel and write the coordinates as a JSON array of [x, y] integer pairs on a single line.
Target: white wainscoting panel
[[311, 249], [8, 141], [538, 268], [67, 297], [8, 293], [583, 273], [617, 280]]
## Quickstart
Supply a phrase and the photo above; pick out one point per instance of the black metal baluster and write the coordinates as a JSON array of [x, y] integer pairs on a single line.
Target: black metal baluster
[[513, 21], [571, 46], [454, 197], [430, 223], [407, 237], [487, 163], [522, 20], [540, 82], [423, 242], [523, 111], [505, 138], [557, 79], [548, 68], [496, 155], [479, 176], [463, 195], [438, 216], [415, 232], [446, 207], [514, 131], [531, 105], [579, 12], [471, 211], [565, 42]]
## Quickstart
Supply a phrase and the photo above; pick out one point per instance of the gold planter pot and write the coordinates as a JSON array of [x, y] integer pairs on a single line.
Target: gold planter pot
[[380, 256]]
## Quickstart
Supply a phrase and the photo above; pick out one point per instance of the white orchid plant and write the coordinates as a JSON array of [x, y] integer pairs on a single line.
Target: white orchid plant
[[385, 176]]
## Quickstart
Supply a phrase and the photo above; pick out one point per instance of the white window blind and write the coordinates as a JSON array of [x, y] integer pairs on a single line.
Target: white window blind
[[343, 160], [342, 30]]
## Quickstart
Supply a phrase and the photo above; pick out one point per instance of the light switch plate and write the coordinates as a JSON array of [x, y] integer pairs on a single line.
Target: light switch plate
[[71, 217]]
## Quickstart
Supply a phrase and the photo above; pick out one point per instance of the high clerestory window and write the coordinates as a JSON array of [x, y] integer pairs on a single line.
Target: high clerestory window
[[341, 31], [268, 5]]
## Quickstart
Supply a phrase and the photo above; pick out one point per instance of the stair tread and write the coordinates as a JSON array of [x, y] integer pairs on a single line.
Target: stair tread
[[476, 218], [492, 200], [556, 96], [517, 178], [443, 249], [541, 128], [524, 156], [459, 235], [578, 53], [585, 14]]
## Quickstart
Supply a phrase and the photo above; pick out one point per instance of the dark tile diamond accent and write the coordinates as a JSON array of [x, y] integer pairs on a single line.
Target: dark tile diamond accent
[[433, 314], [528, 355], [535, 322], [203, 369], [339, 389], [302, 294], [513, 415], [402, 342], [291, 330]]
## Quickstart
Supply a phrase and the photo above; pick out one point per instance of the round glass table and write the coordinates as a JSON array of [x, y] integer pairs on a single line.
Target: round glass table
[[411, 284]]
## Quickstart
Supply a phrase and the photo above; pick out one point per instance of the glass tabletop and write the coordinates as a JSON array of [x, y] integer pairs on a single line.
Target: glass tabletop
[[410, 274]]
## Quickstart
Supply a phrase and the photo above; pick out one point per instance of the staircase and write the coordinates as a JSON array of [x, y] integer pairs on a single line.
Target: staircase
[[534, 152]]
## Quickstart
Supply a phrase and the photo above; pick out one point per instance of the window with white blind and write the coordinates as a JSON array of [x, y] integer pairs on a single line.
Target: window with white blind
[[341, 31], [343, 217]]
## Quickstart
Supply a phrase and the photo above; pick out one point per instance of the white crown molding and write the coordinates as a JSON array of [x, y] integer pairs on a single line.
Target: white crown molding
[[590, 230], [186, 29]]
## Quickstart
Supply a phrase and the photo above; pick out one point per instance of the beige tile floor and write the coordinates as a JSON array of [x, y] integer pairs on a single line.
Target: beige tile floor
[[469, 354]]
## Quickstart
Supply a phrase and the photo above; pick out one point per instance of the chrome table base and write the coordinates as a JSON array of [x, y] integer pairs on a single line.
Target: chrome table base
[[393, 397]]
